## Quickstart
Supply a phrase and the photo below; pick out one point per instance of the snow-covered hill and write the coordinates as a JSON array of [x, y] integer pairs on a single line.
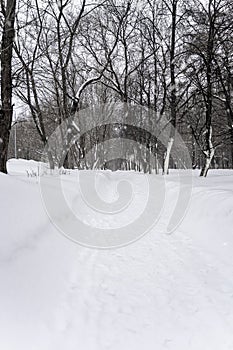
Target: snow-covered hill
[[160, 292]]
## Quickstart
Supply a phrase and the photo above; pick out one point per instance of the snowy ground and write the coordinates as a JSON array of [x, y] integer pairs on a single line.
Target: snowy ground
[[161, 292]]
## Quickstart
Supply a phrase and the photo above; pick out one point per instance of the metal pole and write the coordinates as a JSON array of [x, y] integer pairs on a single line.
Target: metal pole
[[16, 139]]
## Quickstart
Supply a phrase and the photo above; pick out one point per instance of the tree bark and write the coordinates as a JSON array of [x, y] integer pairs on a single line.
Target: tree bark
[[6, 80], [209, 154], [173, 103], [209, 149]]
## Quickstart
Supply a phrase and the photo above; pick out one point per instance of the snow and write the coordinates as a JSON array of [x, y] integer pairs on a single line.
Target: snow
[[161, 292]]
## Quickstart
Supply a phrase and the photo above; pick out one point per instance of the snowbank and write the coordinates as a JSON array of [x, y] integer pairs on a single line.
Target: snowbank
[[161, 292]]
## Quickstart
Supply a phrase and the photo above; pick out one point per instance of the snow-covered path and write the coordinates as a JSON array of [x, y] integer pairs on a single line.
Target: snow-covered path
[[161, 292]]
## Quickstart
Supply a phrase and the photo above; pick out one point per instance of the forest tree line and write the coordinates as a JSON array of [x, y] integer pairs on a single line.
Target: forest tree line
[[174, 57]]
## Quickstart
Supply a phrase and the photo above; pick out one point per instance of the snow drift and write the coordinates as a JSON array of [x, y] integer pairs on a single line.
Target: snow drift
[[161, 292]]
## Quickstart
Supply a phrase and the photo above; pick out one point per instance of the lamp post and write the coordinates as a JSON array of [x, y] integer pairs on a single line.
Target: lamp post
[[15, 135], [14, 125], [15, 140]]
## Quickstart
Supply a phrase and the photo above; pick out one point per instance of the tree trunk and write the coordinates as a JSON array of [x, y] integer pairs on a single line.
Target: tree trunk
[[6, 80], [208, 159], [167, 156], [173, 103], [209, 149], [209, 154]]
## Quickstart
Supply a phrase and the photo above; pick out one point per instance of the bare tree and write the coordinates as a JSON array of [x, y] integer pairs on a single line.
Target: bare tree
[[205, 25]]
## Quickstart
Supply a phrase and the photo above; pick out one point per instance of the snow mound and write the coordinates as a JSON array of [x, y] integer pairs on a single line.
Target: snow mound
[[161, 292]]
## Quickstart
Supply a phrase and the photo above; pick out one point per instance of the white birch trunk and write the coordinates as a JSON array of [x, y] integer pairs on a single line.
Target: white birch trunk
[[208, 160], [209, 156], [167, 156]]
